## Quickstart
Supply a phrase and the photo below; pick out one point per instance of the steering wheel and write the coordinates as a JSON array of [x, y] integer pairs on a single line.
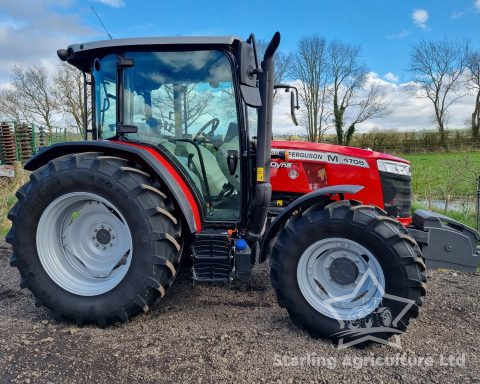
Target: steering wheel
[[213, 122]]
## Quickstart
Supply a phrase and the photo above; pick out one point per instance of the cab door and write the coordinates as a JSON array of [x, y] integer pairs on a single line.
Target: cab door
[[184, 103]]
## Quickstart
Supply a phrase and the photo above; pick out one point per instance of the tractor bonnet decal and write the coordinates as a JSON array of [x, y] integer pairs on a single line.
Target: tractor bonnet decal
[[321, 157]]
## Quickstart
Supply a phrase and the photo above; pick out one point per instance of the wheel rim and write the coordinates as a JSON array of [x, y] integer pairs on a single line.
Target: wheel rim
[[84, 243], [340, 278]]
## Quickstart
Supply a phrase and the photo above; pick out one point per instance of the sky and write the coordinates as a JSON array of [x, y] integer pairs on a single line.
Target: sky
[[32, 30]]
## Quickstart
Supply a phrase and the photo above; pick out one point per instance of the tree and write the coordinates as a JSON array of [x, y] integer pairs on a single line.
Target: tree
[[473, 85], [68, 94], [31, 97], [437, 67], [282, 62], [352, 94], [309, 68], [9, 102], [187, 103]]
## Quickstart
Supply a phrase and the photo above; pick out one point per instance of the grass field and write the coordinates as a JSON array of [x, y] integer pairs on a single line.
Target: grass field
[[437, 175]]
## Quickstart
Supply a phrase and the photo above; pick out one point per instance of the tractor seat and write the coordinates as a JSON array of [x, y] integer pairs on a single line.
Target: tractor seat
[[232, 132], [215, 177]]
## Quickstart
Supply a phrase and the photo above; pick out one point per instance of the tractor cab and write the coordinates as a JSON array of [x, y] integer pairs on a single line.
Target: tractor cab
[[182, 96]]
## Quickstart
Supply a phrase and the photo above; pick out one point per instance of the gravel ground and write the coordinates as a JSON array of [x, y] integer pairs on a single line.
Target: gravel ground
[[223, 334]]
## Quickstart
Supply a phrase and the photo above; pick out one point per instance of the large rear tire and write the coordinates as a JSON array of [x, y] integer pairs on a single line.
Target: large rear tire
[[348, 272], [96, 239]]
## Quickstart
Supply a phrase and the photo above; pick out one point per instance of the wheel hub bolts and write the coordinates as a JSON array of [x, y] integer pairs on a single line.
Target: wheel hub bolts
[[343, 271], [103, 236]]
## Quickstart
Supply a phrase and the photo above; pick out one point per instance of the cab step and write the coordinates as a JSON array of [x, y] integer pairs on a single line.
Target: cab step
[[213, 254]]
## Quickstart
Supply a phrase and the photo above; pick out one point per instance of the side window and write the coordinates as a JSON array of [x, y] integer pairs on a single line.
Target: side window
[[104, 73]]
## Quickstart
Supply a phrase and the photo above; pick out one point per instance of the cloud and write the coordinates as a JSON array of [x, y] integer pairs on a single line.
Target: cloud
[[399, 35], [412, 113], [477, 4], [31, 31], [389, 76], [408, 113], [456, 14], [420, 17], [112, 3]]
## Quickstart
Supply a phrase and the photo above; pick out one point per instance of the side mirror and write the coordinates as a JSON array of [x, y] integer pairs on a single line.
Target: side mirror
[[249, 70], [292, 108], [293, 99]]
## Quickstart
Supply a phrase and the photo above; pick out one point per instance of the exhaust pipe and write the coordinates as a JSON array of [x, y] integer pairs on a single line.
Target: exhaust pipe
[[263, 188]]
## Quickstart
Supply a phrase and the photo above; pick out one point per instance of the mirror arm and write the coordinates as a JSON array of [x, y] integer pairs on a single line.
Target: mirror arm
[[258, 70], [287, 88], [293, 99]]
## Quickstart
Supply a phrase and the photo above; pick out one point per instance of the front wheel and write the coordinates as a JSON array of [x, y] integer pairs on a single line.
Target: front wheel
[[348, 273]]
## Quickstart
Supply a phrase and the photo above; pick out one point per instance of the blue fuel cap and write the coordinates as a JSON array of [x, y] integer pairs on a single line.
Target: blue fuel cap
[[240, 244]]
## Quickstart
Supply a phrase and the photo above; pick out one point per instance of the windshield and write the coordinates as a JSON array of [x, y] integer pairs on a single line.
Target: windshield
[[174, 94]]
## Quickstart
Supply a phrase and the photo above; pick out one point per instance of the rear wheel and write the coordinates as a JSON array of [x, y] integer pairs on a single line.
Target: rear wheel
[[347, 272], [95, 238]]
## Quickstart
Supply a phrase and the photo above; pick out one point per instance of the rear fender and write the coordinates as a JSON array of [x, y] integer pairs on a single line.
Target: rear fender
[[147, 157], [301, 203]]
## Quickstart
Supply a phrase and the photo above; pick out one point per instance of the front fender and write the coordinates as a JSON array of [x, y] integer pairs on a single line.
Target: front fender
[[145, 156], [301, 203]]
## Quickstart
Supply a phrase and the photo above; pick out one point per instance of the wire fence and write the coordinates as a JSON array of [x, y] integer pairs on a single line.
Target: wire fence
[[417, 142], [20, 141], [405, 142]]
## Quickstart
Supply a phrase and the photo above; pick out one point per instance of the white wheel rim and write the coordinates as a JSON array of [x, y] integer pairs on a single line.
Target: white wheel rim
[[352, 300], [84, 243]]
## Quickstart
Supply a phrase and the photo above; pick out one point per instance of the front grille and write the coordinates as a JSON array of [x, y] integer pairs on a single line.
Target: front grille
[[397, 194]]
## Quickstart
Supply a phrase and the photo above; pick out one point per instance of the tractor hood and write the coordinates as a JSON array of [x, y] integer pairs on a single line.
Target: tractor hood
[[300, 167], [366, 154]]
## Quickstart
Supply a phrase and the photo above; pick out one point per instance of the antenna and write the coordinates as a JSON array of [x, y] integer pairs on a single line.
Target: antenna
[[101, 22]]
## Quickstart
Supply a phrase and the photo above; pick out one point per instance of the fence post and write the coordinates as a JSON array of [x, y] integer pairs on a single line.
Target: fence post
[[17, 147], [34, 142]]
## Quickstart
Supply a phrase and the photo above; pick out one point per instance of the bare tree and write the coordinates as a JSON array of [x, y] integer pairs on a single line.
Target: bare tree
[[9, 102], [31, 97], [282, 62], [196, 104], [352, 95], [473, 85], [309, 67], [68, 94], [437, 67]]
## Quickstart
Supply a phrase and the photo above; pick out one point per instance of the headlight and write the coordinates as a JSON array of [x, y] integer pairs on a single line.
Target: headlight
[[393, 167]]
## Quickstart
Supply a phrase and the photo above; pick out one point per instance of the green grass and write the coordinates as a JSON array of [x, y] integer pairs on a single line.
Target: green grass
[[467, 218], [8, 201], [442, 174]]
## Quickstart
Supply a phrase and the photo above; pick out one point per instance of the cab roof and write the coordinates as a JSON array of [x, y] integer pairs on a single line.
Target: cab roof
[[80, 55]]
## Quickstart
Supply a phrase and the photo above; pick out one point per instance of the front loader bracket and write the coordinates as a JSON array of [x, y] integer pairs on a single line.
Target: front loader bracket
[[446, 243]]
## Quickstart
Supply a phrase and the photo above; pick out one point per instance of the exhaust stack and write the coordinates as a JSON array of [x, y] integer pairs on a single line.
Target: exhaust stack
[[263, 188]]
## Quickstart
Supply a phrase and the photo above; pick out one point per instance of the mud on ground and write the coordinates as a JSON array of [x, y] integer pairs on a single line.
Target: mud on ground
[[237, 334]]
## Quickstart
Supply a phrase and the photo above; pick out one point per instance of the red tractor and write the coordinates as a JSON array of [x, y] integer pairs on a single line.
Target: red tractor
[[180, 165]]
